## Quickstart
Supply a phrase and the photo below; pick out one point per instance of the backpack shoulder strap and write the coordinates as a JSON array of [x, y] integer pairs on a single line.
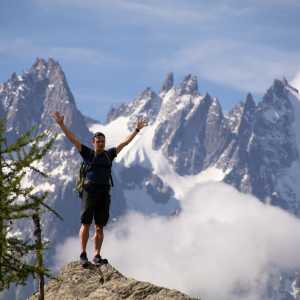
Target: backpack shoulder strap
[[105, 152], [112, 183], [88, 165]]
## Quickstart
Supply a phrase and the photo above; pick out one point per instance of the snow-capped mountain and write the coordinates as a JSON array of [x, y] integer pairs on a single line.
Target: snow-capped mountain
[[254, 147], [264, 151], [189, 140], [29, 98]]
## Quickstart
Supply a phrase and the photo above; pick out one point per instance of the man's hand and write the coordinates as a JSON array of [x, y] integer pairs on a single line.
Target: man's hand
[[141, 123], [58, 118], [71, 136]]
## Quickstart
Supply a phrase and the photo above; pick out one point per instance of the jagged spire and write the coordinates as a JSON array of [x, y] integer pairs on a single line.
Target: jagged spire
[[279, 84], [207, 97], [168, 83], [14, 76], [51, 64], [278, 87], [249, 103], [47, 69], [189, 85], [39, 63]]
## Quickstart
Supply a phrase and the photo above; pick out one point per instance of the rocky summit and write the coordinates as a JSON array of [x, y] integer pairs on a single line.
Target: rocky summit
[[102, 282]]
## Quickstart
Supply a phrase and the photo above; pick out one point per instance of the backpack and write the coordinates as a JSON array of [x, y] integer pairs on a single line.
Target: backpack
[[84, 167]]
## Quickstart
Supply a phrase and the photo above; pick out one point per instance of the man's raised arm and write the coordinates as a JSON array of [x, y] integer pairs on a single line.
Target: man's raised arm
[[140, 124], [70, 135]]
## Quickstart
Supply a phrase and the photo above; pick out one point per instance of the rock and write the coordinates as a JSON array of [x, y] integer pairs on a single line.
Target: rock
[[167, 84], [102, 282]]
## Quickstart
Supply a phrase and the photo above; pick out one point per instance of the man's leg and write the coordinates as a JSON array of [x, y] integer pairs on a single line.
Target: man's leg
[[84, 235], [86, 218], [101, 218], [98, 239]]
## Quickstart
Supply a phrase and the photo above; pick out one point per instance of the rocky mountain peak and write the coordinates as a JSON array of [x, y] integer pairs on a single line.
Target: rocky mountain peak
[[30, 98], [249, 102], [39, 64], [147, 103], [189, 85], [242, 109], [281, 88], [55, 71], [39, 69], [52, 63], [207, 98], [278, 84], [147, 92], [277, 98], [167, 83], [216, 107], [103, 282], [50, 70], [212, 104], [14, 77]]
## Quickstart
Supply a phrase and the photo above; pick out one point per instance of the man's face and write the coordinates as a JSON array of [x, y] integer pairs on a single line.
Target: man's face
[[99, 143]]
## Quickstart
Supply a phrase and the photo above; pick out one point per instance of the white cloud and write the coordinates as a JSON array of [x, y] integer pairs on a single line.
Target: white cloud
[[176, 12], [242, 65], [144, 11], [26, 48], [222, 241]]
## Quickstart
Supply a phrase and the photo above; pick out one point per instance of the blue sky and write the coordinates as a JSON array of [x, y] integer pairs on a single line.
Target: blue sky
[[111, 50]]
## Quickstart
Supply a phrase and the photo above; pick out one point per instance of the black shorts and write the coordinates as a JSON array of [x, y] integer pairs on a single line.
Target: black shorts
[[95, 203]]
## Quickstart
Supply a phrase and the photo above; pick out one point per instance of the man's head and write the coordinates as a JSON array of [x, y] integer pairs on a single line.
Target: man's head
[[98, 141]]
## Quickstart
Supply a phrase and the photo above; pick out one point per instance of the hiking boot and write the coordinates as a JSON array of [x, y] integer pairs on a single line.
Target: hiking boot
[[83, 259], [98, 260], [104, 260]]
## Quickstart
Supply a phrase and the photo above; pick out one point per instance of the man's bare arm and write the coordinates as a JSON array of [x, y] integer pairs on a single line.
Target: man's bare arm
[[141, 123], [70, 135], [127, 141]]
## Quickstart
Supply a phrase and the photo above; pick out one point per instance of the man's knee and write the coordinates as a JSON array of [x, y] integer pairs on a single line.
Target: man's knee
[[85, 227], [98, 229]]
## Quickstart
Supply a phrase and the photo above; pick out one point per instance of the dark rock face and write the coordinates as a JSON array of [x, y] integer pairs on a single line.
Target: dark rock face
[[191, 132], [235, 157], [103, 282], [264, 145]]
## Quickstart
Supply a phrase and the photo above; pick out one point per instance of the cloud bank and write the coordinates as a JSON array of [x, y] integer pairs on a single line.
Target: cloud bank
[[224, 245]]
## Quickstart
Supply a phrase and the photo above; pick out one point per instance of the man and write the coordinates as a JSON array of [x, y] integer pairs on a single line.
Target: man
[[95, 201]]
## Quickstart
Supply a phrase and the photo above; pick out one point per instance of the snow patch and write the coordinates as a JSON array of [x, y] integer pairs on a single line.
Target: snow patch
[[139, 151], [296, 81], [271, 115], [116, 131]]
